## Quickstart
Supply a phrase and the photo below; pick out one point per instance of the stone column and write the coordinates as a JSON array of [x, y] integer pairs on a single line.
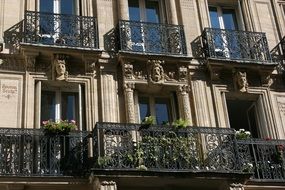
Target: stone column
[[129, 102], [123, 9], [184, 102], [173, 12]]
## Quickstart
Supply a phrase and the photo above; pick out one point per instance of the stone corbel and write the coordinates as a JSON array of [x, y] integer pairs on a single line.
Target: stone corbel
[[215, 72], [266, 79], [90, 66]]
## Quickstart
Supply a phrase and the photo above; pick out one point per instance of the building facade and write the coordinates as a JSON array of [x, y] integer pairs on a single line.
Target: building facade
[[215, 66]]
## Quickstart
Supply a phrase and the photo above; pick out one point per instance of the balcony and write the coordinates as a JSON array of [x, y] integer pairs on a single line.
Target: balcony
[[236, 45], [126, 147], [29, 152], [152, 38], [54, 29], [133, 148]]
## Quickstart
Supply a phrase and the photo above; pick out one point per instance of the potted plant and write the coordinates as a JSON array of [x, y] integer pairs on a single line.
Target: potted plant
[[180, 123], [62, 127], [242, 134], [147, 122]]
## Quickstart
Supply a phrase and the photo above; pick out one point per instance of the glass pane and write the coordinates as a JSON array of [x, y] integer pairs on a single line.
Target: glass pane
[[229, 19], [144, 108], [134, 10], [162, 110], [47, 106], [46, 6], [69, 106], [67, 6], [214, 17], [152, 11]]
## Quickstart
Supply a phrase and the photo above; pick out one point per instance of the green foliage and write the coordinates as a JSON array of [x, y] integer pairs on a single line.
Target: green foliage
[[150, 120], [180, 123]]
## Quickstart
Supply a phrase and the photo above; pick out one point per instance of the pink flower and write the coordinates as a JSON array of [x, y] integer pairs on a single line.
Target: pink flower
[[73, 122], [45, 122]]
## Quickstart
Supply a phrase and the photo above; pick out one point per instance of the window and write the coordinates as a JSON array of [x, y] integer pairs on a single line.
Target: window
[[145, 31], [55, 24], [62, 104], [248, 115], [223, 18], [161, 107], [226, 42], [145, 10]]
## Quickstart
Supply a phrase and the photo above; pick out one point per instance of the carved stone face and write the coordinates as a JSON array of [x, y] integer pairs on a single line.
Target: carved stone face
[[60, 67], [156, 73], [128, 71], [241, 81]]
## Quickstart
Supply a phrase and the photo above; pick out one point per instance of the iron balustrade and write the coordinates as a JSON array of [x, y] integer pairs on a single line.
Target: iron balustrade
[[266, 157], [29, 152], [278, 52], [54, 29], [236, 45], [145, 37], [160, 148]]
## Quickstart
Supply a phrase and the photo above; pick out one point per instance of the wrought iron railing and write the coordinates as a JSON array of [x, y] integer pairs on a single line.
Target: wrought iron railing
[[54, 29], [278, 52], [265, 157], [236, 45], [29, 152], [160, 148], [134, 147], [153, 38]]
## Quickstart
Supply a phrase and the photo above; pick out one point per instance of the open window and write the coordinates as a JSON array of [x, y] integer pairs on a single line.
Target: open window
[[247, 114]]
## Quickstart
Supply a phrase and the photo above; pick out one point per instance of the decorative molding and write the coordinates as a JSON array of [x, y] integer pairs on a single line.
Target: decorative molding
[[183, 89], [129, 86]]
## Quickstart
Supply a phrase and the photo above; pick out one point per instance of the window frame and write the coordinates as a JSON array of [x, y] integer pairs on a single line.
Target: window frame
[[161, 7], [173, 112]]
